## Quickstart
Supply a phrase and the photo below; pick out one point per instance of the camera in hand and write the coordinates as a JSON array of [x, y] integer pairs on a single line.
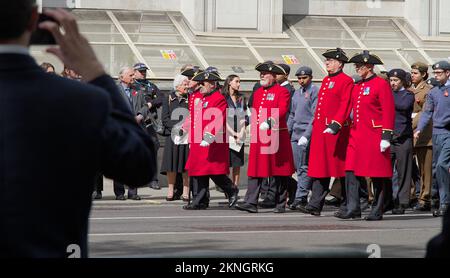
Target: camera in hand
[[40, 36]]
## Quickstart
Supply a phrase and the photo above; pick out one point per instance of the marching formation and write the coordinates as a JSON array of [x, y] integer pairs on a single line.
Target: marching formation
[[384, 140]]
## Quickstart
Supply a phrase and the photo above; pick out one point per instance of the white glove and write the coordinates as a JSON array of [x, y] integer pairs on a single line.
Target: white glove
[[302, 141], [264, 126], [203, 143], [328, 130], [384, 145]]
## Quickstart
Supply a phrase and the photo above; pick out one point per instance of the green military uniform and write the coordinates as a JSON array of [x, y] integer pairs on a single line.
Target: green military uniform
[[423, 146]]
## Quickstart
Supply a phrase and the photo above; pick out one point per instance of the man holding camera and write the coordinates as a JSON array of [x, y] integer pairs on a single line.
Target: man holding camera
[[78, 130]]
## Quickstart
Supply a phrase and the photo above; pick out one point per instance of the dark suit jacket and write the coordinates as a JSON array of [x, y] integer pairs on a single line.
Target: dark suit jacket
[[55, 135]]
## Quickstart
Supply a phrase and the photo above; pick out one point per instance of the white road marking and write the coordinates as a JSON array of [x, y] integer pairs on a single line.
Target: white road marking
[[262, 232], [262, 215]]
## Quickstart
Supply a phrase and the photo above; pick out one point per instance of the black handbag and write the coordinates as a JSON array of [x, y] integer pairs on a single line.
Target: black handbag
[[157, 125]]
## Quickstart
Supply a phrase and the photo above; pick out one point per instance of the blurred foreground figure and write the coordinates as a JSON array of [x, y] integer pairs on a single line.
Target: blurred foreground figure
[[78, 130]]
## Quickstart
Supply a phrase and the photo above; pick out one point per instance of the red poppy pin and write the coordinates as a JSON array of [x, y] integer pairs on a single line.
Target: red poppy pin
[[446, 93]]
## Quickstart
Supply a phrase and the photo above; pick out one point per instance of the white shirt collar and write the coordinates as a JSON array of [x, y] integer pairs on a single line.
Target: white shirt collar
[[284, 83], [447, 83], [13, 49]]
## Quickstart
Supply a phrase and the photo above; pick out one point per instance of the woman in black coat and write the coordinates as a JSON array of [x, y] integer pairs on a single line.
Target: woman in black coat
[[237, 120], [176, 149]]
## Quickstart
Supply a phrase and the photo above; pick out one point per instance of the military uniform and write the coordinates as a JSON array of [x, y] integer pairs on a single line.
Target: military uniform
[[423, 145], [437, 107], [401, 149], [327, 151], [208, 153], [152, 95], [270, 152], [301, 116], [368, 152]]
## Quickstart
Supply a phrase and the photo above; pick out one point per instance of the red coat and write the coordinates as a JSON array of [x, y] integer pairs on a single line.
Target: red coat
[[373, 111], [207, 115], [270, 151], [327, 151]]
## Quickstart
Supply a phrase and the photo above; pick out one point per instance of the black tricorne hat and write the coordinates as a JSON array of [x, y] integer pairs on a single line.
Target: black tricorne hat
[[336, 53], [207, 75], [191, 71], [366, 58], [270, 66]]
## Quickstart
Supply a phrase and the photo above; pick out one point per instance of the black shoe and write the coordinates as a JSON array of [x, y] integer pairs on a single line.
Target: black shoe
[[279, 210], [195, 207], [97, 195], [246, 207], [233, 199], [398, 211], [441, 211], [335, 202], [267, 204], [339, 213], [347, 215], [134, 197], [154, 185], [373, 217], [422, 207], [309, 210], [120, 197], [297, 203]]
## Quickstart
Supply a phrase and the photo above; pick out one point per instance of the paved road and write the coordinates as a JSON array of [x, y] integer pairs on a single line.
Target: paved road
[[156, 228]]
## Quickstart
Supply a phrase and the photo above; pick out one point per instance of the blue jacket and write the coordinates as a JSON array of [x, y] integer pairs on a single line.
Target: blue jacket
[[56, 134], [404, 106], [437, 106], [301, 115]]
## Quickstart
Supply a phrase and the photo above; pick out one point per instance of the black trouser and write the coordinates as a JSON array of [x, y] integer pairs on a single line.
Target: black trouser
[[320, 189], [352, 190], [382, 199], [200, 188], [178, 188], [119, 189], [271, 189], [154, 136], [266, 191], [401, 155], [98, 183], [254, 187]]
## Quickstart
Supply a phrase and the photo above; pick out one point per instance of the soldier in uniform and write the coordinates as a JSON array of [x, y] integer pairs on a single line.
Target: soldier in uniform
[[368, 152], [154, 98], [270, 152], [208, 153], [401, 148], [301, 115], [268, 184], [330, 130], [422, 146], [437, 107]]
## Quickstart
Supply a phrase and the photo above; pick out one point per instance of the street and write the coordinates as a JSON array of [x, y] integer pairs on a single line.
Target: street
[[153, 227]]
